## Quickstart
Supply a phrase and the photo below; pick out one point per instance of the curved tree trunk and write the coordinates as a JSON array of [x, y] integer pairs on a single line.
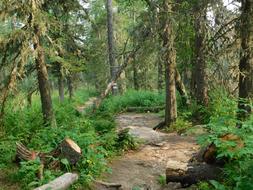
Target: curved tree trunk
[[246, 61], [44, 86], [181, 88]]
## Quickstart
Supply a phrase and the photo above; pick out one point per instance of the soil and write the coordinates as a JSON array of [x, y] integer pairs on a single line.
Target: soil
[[144, 169], [5, 183]]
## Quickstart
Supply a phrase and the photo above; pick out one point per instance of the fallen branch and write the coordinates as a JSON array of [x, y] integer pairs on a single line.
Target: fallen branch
[[105, 93]]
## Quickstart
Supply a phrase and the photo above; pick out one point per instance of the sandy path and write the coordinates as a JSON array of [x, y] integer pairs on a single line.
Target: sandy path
[[140, 170]]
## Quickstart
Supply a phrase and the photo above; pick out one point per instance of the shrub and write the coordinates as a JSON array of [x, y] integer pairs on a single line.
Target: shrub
[[239, 163], [93, 132]]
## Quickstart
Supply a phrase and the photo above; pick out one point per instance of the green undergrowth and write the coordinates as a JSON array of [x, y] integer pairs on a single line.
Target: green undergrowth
[[220, 105], [238, 170], [132, 99], [93, 132], [180, 126]]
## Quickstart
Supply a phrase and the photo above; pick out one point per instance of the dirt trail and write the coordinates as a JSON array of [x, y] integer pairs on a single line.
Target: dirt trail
[[140, 170]]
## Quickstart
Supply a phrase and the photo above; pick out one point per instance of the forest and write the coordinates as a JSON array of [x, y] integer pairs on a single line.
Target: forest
[[126, 94]]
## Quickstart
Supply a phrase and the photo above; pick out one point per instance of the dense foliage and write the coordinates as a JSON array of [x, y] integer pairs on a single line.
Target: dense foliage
[[192, 59], [94, 133]]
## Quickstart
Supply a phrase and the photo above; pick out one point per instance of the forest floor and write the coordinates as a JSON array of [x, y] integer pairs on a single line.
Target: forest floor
[[144, 168], [5, 182]]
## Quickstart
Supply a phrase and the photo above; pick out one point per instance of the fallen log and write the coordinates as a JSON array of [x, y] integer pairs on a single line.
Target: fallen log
[[155, 109], [61, 183], [205, 165], [194, 174]]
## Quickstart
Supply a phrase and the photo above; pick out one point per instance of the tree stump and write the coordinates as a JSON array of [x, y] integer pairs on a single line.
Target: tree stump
[[68, 149]]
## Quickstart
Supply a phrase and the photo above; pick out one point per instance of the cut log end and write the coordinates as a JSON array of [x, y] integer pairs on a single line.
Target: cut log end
[[73, 145], [68, 149]]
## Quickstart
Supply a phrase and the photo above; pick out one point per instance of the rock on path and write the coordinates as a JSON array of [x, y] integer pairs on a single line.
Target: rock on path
[[140, 170]]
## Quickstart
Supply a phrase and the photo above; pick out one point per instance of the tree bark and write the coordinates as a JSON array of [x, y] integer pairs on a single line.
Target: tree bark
[[160, 74], [61, 183], [135, 75], [200, 83], [111, 45], [181, 89], [44, 86], [170, 65], [60, 84], [68, 149], [246, 61], [105, 93], [29, 97], [194, 174], [70, 86]]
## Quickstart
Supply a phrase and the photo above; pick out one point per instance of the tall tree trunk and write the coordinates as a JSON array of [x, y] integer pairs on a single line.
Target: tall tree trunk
[[160, 73], [246, 61], [44, 86], [200, 83], [181, 88], [60, 84], [170, 65], [135, 74], [122, 80], [111, 45]]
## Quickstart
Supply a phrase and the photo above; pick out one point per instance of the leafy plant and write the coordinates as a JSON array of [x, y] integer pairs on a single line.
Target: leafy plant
[[238, 152], [162, 180], [125, 141], [94, 133]]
